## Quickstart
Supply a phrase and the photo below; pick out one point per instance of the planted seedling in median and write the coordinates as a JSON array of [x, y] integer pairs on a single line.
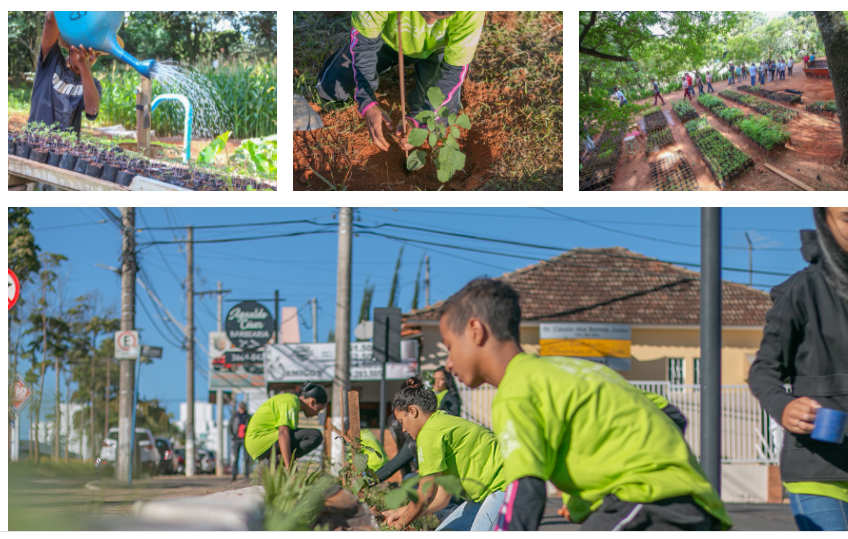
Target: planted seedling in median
[[448, 157]]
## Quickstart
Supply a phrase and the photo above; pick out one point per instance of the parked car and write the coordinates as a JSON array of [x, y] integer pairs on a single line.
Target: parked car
[[146, 459], [167, 459], [180, 462], [204, 461]]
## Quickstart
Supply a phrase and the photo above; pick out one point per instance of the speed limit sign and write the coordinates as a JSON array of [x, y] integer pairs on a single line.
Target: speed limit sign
[[14, 289], [126, 345]]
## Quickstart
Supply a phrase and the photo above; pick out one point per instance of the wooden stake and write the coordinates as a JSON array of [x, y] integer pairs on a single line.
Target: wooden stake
[[800, 184], [143, 100], [402, 85], [353, 414]]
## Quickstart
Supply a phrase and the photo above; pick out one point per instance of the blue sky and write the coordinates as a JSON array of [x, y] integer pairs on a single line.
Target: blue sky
[[303, 267]]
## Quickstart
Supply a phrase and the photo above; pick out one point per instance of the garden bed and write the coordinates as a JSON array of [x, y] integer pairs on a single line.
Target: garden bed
[[659, 139], [775, 112], [685, 111], [724, 160], [655, 122], [783, 97], [673, 173], [104, 160], [823, 108], [601, 164]]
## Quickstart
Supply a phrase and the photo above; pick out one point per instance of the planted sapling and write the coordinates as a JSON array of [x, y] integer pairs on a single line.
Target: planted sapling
[[448, 158]]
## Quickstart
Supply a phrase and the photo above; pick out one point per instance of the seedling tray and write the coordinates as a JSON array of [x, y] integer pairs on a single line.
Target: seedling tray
[[673, 173], [602, 163], [660, 139], [655, 122]]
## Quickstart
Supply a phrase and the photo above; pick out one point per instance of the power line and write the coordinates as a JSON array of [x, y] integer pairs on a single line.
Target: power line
[[229, 240], [161, 254], [241, 225]]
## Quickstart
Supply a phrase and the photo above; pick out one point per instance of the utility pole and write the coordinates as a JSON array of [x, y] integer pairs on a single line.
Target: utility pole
[[277, 328], [57, 418], [314, 319], [91, 392], [711, 345], [219, 397], [750, 260], [127, 372], [189, 333], [427, 281], [341, 380]]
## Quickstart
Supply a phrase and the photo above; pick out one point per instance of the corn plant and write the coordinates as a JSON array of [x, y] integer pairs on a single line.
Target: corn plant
[[449, 158]]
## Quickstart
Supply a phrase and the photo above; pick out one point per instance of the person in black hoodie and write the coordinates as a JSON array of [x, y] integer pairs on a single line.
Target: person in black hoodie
[[447, 395], [805, 345], [238, 429]]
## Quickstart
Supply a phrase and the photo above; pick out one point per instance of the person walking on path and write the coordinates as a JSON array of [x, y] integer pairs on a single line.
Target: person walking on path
[[238, 431], [710, 83], [732, 73], [657, 92], [806, 61], [741, 71], [686, 89], [753, 72], [804, 345], [790, 65], [772, 69], [700, 84], [762, 71]]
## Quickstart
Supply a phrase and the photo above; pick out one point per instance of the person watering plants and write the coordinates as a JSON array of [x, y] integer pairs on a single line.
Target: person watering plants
[[441, 45], [448, 446], [805, 345], [64, 88], [623, 462], [273, 428]]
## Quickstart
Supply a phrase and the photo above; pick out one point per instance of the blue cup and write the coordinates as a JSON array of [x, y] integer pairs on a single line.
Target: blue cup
[[829, 425]]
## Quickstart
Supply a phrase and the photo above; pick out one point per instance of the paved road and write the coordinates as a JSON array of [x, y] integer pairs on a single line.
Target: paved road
[[746, 517]]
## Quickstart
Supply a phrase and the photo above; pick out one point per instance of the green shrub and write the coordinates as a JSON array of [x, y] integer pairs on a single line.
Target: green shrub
[[731, 115], [764, 132]]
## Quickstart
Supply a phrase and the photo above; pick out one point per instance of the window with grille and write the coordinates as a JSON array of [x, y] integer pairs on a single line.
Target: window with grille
[[676, 372]]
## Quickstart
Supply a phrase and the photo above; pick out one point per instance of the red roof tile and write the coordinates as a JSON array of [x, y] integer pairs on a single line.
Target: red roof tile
[[620, 286]]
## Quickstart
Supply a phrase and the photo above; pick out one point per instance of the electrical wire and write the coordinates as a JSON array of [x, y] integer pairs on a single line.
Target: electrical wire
[[161, 254], [230, 240]]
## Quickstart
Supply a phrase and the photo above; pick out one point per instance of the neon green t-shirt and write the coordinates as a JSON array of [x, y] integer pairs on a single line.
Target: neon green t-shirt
[[458, 35], [439, 396], [375, 460], [458, 447], [836, 489], [583, 427], [263, 429]]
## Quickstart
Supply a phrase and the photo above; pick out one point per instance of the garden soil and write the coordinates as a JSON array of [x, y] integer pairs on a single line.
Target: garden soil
[[810, 156]]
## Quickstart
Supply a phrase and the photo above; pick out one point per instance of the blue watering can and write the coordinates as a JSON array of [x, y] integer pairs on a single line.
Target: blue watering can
[[98, 30]]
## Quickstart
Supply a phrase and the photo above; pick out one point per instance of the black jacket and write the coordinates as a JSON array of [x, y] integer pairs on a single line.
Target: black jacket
[[235, 421], [805, 344], [451, 404]]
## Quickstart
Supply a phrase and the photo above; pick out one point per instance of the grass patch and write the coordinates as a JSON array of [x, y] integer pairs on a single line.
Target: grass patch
[[47, 467], [19, 99]]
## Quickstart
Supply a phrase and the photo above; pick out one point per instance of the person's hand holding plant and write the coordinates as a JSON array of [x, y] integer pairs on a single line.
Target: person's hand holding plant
[[799, 415], [374, 119], [394, 517]]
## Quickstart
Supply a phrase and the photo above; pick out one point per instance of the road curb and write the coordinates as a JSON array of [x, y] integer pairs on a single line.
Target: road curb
[[230, 510]]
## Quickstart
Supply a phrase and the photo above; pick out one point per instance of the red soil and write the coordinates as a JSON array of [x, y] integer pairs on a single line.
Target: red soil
[[814, 149]]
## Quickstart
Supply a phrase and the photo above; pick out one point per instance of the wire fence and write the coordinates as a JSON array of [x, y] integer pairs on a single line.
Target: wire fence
[[747, 433]]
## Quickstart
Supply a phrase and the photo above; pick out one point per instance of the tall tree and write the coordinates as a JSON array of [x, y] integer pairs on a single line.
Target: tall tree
[[394, 292], [417, 290], [834, 31]]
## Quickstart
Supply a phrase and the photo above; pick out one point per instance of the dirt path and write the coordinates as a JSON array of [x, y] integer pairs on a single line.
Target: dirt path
[[814, 148]]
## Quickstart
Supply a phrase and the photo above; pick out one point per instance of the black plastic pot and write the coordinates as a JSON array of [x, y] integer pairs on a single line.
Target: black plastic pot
[[39, 156], [94, 170], [125, 178], [68, 162], [12, 147], [82, 165], [23, 150], [54, 159], [110, 173]]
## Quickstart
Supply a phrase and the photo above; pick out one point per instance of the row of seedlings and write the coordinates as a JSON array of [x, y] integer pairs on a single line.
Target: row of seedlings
[[725, 161], [672, 172], [105, 160], [685, 111], [601, 164], [824, 108], [660, 139], [783, 97], [775, 112], [761, 130], [655, 120]]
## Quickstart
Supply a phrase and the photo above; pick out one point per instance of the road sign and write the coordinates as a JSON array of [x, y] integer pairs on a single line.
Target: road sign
[[387, 334], [14, 289], [249, 325], [126, 345], [152, 352], [22, 393]]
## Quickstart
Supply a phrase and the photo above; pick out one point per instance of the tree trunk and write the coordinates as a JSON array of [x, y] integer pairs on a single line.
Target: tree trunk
[[68, 417], [834, 31], [57, 420]]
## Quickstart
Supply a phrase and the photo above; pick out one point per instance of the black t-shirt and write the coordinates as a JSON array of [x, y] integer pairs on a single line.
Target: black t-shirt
[[57, 95]]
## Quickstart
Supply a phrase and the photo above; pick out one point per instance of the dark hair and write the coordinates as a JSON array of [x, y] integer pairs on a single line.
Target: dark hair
[[313, 391], [494, 302], [414, 393], [449, 380]]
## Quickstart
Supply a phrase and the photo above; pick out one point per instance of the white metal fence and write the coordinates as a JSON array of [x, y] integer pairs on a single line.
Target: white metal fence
[[745, 434]]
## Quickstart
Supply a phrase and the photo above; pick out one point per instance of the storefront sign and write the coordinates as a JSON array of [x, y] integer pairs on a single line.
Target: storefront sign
[[316, 363], [608, 344], [249, 325], [232, 368]]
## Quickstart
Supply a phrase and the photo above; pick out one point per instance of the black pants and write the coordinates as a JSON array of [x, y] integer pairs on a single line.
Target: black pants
[[402, 461], [301, 441], [678, 513], [238, 446], [336, 82]]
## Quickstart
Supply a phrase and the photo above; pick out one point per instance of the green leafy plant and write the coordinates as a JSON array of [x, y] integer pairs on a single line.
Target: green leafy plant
[[731, 115], [258, 157], [764, 132], [210, 153], [711, 102], [685, 111], [408, 490], [449, 158], [293, 497]]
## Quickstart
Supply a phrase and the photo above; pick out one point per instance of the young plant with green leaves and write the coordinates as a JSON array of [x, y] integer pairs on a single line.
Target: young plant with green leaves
[[448, 158]]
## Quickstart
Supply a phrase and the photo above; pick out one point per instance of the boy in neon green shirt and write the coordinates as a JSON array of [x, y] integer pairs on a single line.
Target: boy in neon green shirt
[[441, 45], [578, 424]]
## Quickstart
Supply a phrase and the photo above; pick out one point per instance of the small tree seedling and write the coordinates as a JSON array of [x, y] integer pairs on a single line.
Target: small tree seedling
[[448, 157]]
